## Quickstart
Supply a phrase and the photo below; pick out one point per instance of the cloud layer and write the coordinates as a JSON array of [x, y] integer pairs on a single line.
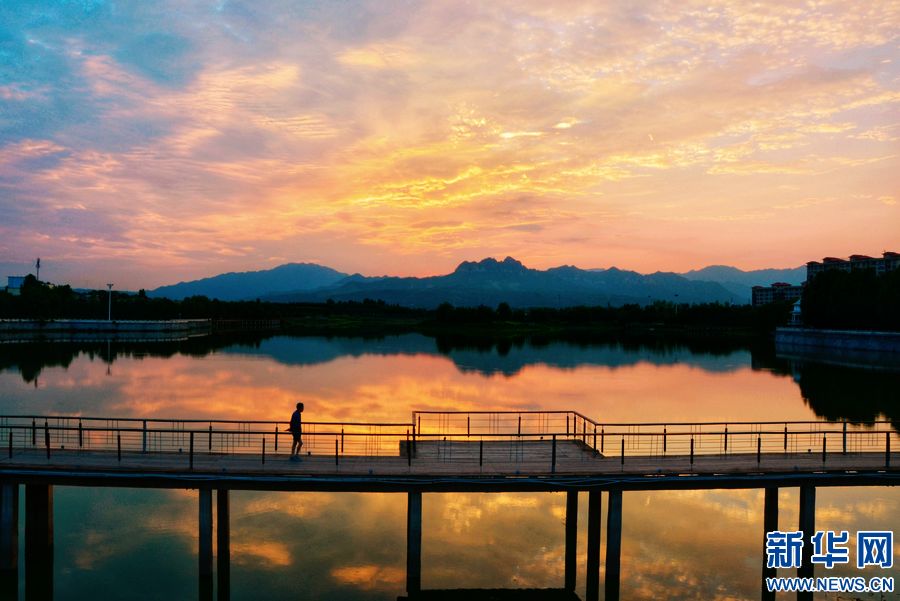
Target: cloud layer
[[150, 142]]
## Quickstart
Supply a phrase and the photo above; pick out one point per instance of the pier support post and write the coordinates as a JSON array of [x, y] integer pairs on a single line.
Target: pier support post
[[808, 526], [205, 547], [613, 544], [223, 545], [571, 538], [770, 524], [592, 578], [9, 540], [414, 544], [38, 541]]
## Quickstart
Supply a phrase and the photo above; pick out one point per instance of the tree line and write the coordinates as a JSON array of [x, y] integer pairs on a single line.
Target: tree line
[[41, 301]]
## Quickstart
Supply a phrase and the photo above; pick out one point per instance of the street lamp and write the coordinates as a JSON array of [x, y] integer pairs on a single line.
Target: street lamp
[[109, 312]]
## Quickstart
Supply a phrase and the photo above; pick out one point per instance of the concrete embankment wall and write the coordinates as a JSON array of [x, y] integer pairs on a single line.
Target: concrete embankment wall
[[841, 340], [102, 325]]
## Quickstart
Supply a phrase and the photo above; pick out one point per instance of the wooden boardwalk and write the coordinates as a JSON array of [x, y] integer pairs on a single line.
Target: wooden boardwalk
[[445, 459], [463, 452]]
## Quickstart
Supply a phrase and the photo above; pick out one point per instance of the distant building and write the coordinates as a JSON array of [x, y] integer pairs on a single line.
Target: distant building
[[889, 261], [14, 284], [779, 291], [797, 313]]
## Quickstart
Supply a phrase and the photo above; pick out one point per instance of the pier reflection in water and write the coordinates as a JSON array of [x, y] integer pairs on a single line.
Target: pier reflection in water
[[676, 544], [682, 544]]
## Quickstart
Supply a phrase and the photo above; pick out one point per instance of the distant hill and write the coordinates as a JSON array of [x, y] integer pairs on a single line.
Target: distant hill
[[741, 282], [487, 282], [254, 284], [490, 282]]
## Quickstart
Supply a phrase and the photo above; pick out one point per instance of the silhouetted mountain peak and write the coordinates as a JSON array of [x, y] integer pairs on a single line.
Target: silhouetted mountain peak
[[491, 265]]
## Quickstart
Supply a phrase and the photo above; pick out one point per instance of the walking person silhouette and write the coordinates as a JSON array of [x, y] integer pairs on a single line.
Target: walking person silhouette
[[296, 429]]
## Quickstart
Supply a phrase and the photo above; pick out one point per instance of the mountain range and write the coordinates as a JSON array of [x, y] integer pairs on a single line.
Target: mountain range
[[488, 282]]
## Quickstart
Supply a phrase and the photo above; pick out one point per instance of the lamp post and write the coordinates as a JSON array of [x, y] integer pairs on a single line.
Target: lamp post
[[109, 310]]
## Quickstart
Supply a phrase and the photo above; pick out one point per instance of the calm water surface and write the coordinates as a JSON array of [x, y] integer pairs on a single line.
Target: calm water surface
[[142, 544]]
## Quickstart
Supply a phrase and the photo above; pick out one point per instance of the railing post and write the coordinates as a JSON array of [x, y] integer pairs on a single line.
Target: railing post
[[119, 446], [342, 440], [887, 449], [824, 445], [623, 450], [33, 433], [726, 440], [144, 438], [583, 431], [263, 450], [692, 451], [553, 456], [595, 437], [10, 443], [468, 425], [785, 438], [844, 439], [276, 438], [336, 452], [567, 425], [191, 451], [520, 426], [758, 448], [665, 440], [408, 451], [47, 438], [210, 438], [80, 435], [602, 438], [414, 447], [481, 453]]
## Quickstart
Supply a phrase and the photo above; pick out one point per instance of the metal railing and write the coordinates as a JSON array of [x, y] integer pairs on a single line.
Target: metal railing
[[664, 439], [444, 435]]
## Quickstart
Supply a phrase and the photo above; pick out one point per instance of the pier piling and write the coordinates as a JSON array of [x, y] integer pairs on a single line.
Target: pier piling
[[414, 544], [223, 545], [808, 526], [613, 544], [770, 524], [592, 578], [38, 541], [571, 538], [9, 540], [205, 545]]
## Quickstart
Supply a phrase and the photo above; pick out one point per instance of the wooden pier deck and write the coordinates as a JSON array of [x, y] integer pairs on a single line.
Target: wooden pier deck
[[476, 449], [433, 452], [472, 465]]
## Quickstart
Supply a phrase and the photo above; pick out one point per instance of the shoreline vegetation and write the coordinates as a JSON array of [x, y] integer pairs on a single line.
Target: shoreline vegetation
[[859, 300], [40, 301]]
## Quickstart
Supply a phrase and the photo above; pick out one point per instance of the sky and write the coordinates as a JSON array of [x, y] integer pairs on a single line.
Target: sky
[[144, 143]]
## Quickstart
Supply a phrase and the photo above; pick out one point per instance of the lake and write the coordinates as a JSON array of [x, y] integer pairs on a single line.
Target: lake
[[142, 544]]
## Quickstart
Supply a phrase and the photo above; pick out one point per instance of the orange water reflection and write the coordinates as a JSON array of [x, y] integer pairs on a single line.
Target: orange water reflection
[[390, 387], [677, 545]]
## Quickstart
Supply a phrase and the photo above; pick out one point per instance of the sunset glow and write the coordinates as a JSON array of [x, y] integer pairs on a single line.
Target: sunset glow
[[147, 143]]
